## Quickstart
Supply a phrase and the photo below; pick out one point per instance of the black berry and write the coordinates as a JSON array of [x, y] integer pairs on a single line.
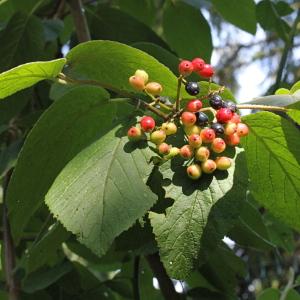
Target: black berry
[[216, 101], [218, 128], [202, 118], [192, 88], [230, 105]]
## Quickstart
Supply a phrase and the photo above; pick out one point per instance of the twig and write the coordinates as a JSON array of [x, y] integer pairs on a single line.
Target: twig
[[261, 107], [289, 284], [177, 105], [81, 26], [165, 283], [135, 279]]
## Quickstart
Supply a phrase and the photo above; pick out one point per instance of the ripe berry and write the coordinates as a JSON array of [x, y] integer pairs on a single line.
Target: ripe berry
[[198, 64], [235, 118], [202, 154], [192, 129], [194, 105], [153, 88], [142, 74], [195, 140], [232, 140], [224, 115], [157, 137], [137, 82], [216, 101], [188, 118], [186, 152], [169, 128], [208, 166], [147, 123], [164, 149], [185, 67], [134, 134], [229, 104], [192, 88], [223, 163], [218, 128], [194, 171], [174, 151], [218, 145], [207, 135], [230, 128], [242, 129], [202, 118], [207, 71]]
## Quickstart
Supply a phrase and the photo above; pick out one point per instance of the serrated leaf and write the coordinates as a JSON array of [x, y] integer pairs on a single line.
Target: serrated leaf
[[112, 63], [26, 75], [190, 40], [203, 212], [70, 124], [240, 13], [273, 153]]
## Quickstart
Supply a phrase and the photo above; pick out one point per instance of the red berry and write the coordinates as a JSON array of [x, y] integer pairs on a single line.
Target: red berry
[[164, 149], [194, 171], [188, 118], [195, 140], [137, 82], [202, 154], [147, 123], [134, 134], [242, 129], [223, 163], [235, 118], [186, 152], [158, 136], [198, 64], [208, 166], [207, 71], [185, 67], [232, 140], [218, 145], [230, 128], [194, 105], [207, 135], [224, 115]]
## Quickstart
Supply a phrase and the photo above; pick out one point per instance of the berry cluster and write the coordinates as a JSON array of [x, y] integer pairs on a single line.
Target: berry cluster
[[207, 130]]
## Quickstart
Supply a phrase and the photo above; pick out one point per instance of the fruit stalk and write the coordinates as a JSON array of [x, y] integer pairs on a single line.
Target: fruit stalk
[[177, 104], [261, 107]]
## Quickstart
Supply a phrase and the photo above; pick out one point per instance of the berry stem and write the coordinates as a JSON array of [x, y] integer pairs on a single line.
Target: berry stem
[[261, 107], [177, 104]]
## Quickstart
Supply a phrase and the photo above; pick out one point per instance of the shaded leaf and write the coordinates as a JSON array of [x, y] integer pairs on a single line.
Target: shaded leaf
[[269, 294]]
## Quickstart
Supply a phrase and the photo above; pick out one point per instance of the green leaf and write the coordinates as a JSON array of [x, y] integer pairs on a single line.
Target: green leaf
[[273, 155], [191, 38], [295, 87], [282, 91], [240, 13], [28, 74], [283, 8], [292, 295], [294, 114], [203, 212], [276, 100], [70, 124], [269, 294], [113, 173], [21, 41], [112, 63]]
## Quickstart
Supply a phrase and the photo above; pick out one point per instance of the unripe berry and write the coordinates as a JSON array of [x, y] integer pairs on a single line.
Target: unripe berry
[[242, 129], [207, 71], [194, 105], [218, 128], [218, 145], [134, 134], [153, 88], [192, 129], [142, 74], [195, 140], [186, 152], [224, 115], [198, 64], [223, 163], [192, 88], [174, 151], [185, 67], [188, 118], [235, 118], [232, 140], [230, 128], [147, 124], [202, 118], [216, 101], [164, 149], [208, 166], [157, 136], [202, 154], [137, 82], [169, 128], [194, 171], [207, 135]]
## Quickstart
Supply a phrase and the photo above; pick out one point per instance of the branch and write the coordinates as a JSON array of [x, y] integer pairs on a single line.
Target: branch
[[165, 283], [261, 107], [289, 285], [81, 26], [135, 280]]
